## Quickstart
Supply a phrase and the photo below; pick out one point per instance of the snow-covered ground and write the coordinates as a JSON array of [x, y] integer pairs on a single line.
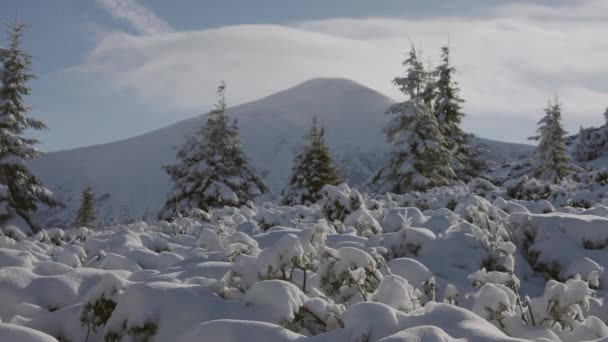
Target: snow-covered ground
[[350, 268]]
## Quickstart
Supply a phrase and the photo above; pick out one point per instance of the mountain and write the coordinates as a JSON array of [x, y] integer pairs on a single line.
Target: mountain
[[128, 179]]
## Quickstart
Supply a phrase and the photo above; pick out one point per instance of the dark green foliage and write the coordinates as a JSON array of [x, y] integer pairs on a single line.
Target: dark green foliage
[[430, 148], [601, 177], [588, 144], [97, 313], [312, 170], [552, 160], [466, 160], [139, 333], [85, 216], [420, 158], [212, 170], [590, 244], [20, 192]]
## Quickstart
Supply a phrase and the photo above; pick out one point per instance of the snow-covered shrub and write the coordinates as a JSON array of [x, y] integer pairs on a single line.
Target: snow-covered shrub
[[527, 189], [397, 293], [13, 232], [555, 244], [283, 258], [339, 201], [240, 243], [271, 215], [395, 219], [364, 222], [292, 309], [404, 243], [347, 272], [482, 277], [484, 188], [451, 294], [601, 177], [562, 306], [290, 254], [143, 332], [96, 314], [496, 303]]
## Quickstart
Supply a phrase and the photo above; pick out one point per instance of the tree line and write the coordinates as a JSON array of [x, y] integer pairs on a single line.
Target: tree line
[[429, 147]]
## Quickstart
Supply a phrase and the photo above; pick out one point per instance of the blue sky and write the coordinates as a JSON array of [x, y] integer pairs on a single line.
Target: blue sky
[[110, 69]]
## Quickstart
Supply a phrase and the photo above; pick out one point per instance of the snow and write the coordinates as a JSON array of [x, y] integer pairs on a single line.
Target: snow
[[486, 270], [11, 332], [228, 330], [503, 258]]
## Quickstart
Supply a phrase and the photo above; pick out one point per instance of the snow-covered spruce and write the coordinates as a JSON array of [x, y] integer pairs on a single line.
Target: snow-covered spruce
[[313, 168], [466, 160], [21, 193], [429, 148], [552, 161], [420, 155], [85, 216], [212, 170]]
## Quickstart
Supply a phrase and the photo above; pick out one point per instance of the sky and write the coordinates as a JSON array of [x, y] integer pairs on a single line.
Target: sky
[[112, 69]]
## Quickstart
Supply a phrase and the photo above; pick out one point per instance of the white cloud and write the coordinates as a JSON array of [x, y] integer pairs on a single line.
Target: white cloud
[[141, 19], [509, 63]]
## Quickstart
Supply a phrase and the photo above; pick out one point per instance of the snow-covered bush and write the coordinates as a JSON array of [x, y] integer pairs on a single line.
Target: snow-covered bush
[[397, 293], [348, 272], [339, 201], [364, 222], [562, 304], [96, 314], [496, 303]]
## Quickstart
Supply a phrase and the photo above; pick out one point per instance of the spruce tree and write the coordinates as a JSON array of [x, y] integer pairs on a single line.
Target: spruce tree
[[421, 157], [212, 170], [85, 216], [312, 170], [414, 82], [21, 193], [466, 160], [606, 116], [551, 159], [429, 92], [418, 81]]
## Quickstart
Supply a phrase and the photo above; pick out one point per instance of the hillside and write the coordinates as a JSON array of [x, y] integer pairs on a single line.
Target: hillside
[[128, 174]]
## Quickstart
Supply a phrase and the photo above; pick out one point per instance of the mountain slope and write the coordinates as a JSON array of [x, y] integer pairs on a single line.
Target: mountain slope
[[127, 174]]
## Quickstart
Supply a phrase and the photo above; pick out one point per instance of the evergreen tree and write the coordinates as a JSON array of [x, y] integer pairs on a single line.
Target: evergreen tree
[[421, 155], [418, 82], [312, 169], [85, 216], [429, 93], [212, 170], [606, 116], [420, 158], [413, 83], [20, 192], [552, 161], [466, 160]]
